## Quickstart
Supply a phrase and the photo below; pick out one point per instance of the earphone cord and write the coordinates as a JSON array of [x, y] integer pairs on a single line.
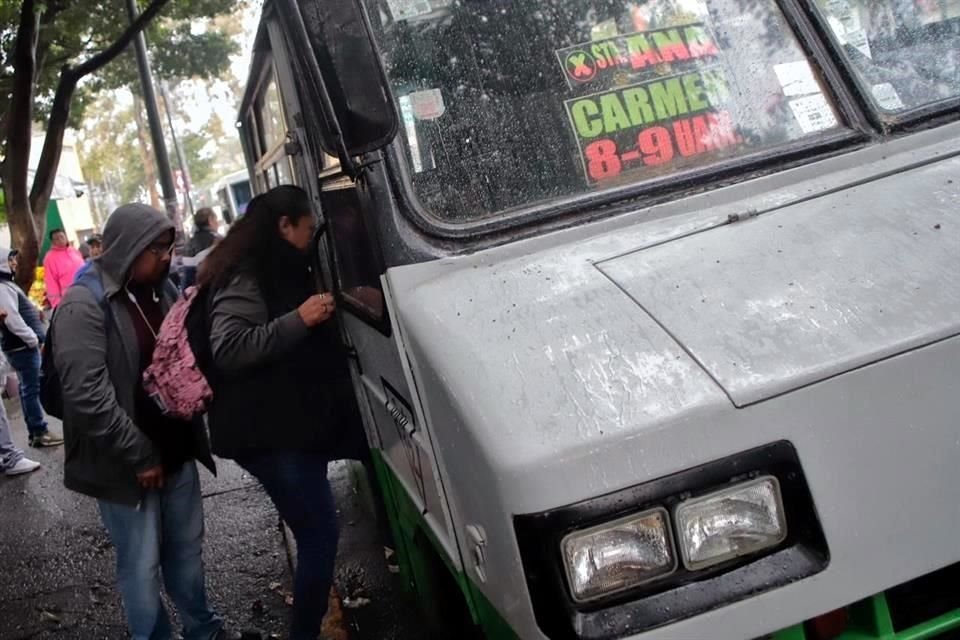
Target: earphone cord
[[133, 299]]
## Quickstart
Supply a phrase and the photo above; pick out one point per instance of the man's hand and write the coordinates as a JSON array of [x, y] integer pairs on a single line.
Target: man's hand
[[151, 478]]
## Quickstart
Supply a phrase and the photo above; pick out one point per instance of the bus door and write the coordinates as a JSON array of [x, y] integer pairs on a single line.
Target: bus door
[[397, 428], [354, 268]]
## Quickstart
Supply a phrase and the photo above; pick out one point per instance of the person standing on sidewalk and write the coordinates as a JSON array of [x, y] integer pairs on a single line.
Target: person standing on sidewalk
[[204, 236], [60, 265], [12, 460], [21, 336], [120, 449], [277, 363]]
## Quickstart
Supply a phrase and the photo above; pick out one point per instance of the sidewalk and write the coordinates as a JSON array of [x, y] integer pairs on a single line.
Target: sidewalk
[[56, 563]]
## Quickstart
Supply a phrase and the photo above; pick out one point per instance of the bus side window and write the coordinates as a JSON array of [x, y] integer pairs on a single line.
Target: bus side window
[[356, 257]]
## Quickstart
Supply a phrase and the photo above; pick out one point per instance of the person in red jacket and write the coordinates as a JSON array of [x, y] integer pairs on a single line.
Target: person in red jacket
[[60, 266]]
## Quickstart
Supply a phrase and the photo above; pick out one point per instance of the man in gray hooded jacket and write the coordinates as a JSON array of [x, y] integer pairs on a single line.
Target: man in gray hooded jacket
[[120, 449]]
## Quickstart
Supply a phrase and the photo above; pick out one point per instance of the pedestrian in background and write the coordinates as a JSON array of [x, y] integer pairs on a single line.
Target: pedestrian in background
[[21, 336], [121, 450], [60, 265], [277, 364], [95, 244], [204, 234], [12, 460]]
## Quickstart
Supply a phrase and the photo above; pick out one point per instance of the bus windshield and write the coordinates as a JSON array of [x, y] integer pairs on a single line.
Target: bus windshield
[[507, 103], [906, 54]]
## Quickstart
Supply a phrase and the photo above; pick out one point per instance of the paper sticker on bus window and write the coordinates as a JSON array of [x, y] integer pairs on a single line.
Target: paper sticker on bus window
[[604, 30], [655, 123], [603, 64], [796, 78], [886, 96], [858, 39], [844, 20], [813, 113], [427, 105], [406, 9]]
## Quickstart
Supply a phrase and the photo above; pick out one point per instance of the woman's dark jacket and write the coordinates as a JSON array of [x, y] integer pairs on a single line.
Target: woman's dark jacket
[[277, 385]]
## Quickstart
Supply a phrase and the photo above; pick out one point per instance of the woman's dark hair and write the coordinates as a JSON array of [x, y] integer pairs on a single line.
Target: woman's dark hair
[[54, 232], [253, 237]]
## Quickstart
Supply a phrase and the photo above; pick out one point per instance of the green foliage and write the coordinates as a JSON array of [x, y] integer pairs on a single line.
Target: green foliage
[[110, 150], [181, 41]]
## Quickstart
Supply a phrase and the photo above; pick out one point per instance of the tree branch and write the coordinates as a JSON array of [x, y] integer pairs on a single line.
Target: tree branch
[[115, 49], [60, 111], [46, 175]]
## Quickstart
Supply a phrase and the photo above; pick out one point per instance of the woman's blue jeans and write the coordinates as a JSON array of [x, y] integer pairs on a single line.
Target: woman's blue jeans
[[297, 483]]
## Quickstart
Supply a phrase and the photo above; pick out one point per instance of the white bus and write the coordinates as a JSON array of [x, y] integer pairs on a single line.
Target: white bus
[[228, 196], [655, 304]]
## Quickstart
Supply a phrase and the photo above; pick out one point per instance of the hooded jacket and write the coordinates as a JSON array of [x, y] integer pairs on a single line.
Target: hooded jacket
[[60, 265], [97, 357], [22, 328]]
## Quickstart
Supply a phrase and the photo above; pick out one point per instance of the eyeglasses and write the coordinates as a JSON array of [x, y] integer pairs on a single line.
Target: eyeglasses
[[161, 249]]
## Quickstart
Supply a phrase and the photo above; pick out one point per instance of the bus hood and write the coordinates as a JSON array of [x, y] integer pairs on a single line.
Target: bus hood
[[784, 300], [557, 347]]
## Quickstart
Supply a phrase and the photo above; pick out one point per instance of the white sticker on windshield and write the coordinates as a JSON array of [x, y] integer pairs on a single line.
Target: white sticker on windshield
[[859, 40], [846, 24], [887, 97], [427, 105], [406, 9], [813, 113], [796, 78]]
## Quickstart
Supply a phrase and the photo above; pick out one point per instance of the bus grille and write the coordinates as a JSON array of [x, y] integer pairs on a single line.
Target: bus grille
[[928, 597]]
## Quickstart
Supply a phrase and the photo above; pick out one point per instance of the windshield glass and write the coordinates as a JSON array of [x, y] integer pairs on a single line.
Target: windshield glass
[[506, 103], [906, 53]]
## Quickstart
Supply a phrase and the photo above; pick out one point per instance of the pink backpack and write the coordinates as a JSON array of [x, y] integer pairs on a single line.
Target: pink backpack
[[174, 379]]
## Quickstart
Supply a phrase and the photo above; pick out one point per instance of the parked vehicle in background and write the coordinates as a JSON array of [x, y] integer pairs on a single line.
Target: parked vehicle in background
[[654, 307], [228, 196]]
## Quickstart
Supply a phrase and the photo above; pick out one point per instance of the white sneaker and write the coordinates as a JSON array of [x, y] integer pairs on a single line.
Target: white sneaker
[[22, 467]]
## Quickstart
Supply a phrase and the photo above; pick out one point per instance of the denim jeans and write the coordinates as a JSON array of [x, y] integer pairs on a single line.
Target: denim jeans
[[27, 364], [297, 483], [163, 536]]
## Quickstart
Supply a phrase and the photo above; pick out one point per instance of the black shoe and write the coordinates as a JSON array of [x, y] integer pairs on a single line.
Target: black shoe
[[46, 440]]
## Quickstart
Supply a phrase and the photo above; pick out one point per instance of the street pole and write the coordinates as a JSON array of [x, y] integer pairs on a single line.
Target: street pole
[[181, 157], [153, 118]]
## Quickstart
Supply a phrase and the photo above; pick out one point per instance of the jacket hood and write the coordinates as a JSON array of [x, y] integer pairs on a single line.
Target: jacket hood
[[5, 261], [128, 232]]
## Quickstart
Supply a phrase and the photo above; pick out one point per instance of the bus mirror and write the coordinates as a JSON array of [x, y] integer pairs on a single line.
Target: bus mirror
[[360, 113]]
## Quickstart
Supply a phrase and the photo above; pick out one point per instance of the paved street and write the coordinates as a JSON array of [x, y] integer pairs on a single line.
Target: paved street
[[56, 562]]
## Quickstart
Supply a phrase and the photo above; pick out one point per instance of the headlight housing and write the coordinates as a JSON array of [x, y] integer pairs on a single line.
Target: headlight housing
[[619, 555], [729, 523], [681, 593]]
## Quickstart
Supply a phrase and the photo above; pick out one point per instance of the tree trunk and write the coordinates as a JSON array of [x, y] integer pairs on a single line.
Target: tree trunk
[[52, 149], [149, 165], [19, 135]]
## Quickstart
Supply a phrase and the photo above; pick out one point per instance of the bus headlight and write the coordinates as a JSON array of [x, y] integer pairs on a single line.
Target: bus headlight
[[729, 523], [619, 555]]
